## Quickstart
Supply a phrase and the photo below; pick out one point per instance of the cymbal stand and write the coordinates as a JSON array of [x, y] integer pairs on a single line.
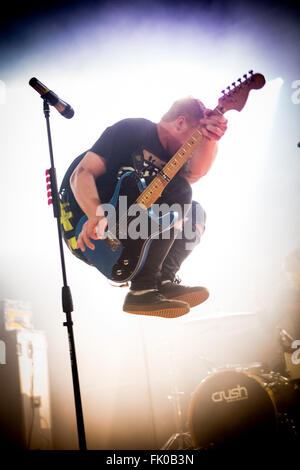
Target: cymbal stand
[[180, 440]]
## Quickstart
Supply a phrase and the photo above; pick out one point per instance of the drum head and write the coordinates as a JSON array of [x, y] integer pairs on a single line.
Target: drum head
[[231, 406]]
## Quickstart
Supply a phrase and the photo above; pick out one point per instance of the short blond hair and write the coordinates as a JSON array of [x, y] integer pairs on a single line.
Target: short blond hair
[[192, 108]]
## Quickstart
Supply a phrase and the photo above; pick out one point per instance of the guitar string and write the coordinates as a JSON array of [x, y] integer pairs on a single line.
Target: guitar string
[[181, 154], [220, 110]]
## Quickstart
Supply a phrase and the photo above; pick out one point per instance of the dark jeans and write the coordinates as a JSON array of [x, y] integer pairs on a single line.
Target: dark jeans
[[165, 256]]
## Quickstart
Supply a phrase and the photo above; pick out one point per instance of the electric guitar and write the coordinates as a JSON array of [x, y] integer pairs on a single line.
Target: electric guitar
[[120, 257]]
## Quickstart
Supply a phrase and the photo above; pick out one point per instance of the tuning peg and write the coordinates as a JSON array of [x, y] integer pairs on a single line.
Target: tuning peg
[[228, 88], [245, 76], [233, 84], [239, 80], [223, 91], [251, 72], [49, 201]]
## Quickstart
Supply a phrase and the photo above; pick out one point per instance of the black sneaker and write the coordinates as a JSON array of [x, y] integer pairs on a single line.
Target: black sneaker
[[155, 304], [192, 295]]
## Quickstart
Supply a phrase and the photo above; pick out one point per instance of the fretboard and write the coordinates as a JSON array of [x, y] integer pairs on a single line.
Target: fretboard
[[158, 184]]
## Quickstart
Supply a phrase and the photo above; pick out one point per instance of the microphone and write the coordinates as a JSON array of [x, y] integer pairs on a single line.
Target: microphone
[[62, 107]]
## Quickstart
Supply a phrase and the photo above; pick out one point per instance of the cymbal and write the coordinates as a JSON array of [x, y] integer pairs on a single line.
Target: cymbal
[[218, 316]]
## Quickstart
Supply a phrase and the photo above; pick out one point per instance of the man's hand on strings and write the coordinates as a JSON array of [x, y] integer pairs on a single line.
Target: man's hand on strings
[[213, 125], [93, 228]]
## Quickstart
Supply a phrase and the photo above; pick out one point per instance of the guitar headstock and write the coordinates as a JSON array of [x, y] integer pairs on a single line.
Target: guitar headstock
[[236, 97]]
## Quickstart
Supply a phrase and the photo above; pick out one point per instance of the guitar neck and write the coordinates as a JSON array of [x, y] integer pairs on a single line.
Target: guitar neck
[[235, 98], [158, 184]]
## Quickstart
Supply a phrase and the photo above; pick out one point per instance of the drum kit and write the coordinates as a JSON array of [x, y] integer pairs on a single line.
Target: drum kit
[[241, 406]]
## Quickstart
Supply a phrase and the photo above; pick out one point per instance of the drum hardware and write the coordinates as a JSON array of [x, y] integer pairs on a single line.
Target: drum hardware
[[285, 340], [180, 440], [242, 405], [291, 370], [237, 404]]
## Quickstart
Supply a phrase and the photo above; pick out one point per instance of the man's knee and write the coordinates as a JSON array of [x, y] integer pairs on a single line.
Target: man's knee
[[199, 218], [198, 215], [194, 224]]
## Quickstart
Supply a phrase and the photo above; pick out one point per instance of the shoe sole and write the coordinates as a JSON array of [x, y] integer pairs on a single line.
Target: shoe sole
[[165, 313], [192, 298]]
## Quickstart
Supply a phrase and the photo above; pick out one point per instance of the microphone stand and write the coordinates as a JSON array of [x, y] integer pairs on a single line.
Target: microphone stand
[[67, 303]]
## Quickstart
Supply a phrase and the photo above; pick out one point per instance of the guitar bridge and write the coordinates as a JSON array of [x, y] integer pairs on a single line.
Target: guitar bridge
[[112, 241]]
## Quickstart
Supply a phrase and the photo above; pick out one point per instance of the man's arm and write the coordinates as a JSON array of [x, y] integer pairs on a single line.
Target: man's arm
[[213, 127], [84, 188], [83, 183], [201, 161]]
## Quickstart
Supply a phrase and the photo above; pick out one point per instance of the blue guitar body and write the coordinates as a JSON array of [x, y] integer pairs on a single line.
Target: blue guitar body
[[118, 256]]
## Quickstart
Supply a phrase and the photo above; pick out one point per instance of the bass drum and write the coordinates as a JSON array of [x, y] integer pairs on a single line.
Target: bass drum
[[232, 407]]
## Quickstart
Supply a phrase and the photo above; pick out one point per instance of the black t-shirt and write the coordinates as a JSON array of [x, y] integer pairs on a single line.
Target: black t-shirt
[[116, 145]]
